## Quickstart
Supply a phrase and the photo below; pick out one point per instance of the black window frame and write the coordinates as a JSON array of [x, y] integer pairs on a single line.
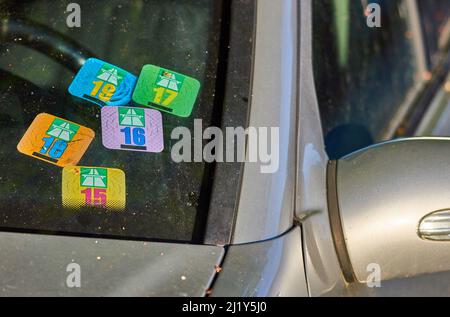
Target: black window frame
[[235, 98]]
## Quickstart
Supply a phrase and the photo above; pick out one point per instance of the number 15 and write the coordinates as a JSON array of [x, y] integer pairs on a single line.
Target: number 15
[[99, 197]]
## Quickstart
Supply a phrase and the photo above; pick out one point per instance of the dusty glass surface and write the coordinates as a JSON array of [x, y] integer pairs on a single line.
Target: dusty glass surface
[[362, 74], [162, 196]]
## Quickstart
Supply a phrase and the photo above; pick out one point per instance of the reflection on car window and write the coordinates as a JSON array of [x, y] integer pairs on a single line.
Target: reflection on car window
[[163, 197], [362, 74], [435, 15]]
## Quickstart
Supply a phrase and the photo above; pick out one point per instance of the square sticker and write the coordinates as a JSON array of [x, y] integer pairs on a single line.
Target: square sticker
[[93, 187], [103, 84], [166, 90], [55, 140], [132, 129]]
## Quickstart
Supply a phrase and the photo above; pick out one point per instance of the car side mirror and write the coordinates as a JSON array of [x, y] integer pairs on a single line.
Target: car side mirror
[[389, 205]]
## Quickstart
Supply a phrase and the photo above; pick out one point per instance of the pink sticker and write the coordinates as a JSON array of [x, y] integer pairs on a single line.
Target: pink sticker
[[132, 129]]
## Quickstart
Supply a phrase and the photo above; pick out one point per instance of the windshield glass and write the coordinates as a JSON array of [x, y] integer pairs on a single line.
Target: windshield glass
[[162, 197]]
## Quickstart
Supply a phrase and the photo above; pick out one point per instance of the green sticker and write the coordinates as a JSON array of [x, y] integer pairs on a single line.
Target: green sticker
[[94, 177], [166, 90], [62, 129]]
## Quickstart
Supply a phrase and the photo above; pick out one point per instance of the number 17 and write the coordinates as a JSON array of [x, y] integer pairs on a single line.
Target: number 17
[[160, 93]]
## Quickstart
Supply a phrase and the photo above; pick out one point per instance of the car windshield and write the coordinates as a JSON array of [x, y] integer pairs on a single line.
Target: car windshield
[[163, 198]]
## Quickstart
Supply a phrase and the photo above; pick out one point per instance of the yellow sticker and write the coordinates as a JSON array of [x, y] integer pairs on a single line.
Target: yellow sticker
[[55, 140], [93, 187]]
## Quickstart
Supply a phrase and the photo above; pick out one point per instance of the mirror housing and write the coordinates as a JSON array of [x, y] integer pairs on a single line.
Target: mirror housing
[[389, 205]]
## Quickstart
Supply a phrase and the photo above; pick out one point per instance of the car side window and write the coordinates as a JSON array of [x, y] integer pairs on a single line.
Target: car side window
[[362, 74], [435, 16]]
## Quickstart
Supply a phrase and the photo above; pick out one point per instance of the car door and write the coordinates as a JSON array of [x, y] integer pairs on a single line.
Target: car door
[[375, 84]]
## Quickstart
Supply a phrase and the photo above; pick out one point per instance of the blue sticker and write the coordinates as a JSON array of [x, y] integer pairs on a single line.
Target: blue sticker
[[103, 84]]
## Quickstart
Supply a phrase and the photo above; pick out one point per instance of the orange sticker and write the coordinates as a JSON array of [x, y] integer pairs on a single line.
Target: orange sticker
[[56, 141]]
